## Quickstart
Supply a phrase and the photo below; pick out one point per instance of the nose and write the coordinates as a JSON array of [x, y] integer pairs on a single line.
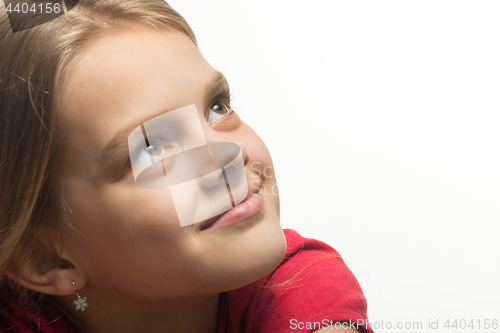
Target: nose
[[214, 136], [244, 152]]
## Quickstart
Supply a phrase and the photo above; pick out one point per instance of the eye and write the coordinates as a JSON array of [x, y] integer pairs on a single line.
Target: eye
[[218, 111], [155, 149]]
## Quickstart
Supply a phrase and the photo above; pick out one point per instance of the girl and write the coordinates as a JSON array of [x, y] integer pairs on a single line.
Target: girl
[[84, 248]]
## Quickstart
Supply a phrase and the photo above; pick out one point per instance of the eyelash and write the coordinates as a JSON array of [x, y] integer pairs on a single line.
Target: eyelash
[[225, 97]]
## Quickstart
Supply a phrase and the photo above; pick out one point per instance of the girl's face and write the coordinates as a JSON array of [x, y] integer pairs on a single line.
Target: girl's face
[[129, 240]]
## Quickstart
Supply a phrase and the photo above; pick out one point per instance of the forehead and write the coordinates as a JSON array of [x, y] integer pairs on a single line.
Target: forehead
[[126, 75]]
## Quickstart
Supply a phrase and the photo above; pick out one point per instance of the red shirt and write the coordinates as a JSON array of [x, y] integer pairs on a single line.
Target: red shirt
[[323, 292], [24, 319], [320, 289]]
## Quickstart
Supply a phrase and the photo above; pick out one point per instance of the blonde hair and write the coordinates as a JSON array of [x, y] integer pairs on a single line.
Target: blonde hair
[[33, 65]]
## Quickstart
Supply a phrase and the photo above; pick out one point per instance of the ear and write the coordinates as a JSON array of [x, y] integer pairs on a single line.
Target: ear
[[45, 268]]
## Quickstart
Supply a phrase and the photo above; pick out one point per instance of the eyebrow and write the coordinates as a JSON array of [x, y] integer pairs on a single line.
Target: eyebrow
[[119, 143]]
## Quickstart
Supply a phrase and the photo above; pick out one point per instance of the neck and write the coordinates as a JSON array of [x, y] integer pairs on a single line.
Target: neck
[[190, 315]]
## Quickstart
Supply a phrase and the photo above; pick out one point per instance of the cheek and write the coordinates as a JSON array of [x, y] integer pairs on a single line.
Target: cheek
[[129, 231], [137, 207], [122, 220]]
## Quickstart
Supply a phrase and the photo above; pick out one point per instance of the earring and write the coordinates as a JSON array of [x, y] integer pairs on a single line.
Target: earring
[[81, 303]]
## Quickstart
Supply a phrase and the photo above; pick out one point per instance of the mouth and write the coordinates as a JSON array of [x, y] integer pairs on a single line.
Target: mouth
[[244, 209]]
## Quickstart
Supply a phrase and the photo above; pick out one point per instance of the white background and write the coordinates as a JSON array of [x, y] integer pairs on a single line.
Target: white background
[[382, 118]]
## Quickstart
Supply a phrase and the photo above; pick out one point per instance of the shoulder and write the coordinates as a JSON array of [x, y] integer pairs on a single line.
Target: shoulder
[[310, 288], [317, 277], [16, 317], [302, 251]]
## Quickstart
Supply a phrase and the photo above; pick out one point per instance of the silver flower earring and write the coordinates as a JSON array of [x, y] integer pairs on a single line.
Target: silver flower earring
[[81, 303]]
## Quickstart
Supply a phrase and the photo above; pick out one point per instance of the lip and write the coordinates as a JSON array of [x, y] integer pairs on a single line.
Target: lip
[[247, 208]]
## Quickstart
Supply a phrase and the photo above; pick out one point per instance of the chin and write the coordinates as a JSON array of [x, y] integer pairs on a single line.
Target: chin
[[266, 248]]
